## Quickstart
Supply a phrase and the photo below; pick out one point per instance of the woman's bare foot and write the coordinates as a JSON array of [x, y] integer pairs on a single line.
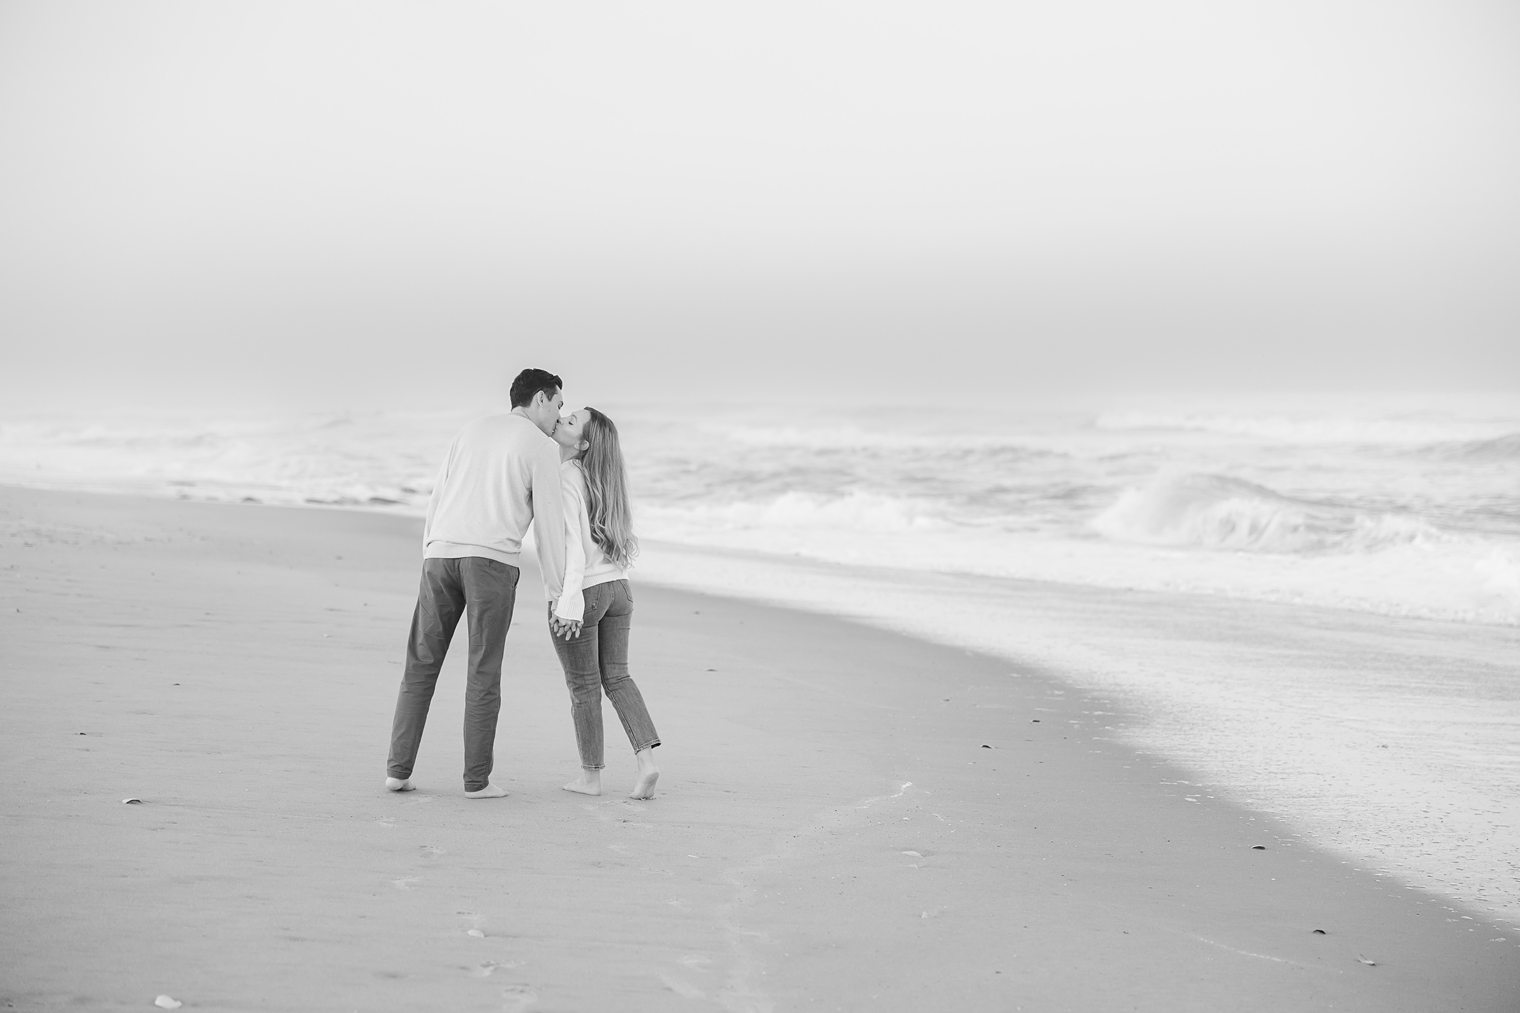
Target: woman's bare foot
[[648, 774], [589, 783]]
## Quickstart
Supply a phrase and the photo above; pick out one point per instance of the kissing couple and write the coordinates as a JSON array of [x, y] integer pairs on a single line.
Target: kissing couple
[[565, 476]]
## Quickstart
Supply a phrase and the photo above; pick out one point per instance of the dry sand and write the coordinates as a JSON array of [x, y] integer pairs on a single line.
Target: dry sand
[[847, 819]]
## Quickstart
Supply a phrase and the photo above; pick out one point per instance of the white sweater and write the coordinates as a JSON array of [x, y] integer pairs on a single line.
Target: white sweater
[[500, 473], [586, 565]]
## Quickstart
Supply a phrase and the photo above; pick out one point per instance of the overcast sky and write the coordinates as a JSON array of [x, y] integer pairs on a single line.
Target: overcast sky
[[380, 203]]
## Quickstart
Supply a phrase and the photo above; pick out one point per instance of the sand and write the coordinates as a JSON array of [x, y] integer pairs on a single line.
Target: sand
[[846, 819]]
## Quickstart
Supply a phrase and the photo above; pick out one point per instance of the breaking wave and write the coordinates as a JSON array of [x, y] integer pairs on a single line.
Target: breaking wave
[[1220, 512]]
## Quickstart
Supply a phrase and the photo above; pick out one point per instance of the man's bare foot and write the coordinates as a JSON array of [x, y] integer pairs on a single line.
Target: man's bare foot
[[648, 774], [589, 783], [489, 791], [399, 784]]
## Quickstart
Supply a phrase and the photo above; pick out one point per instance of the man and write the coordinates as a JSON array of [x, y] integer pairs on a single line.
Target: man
[[501, 472]]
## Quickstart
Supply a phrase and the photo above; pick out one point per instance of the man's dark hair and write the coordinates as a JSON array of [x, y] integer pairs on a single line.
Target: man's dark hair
[[530, 382]]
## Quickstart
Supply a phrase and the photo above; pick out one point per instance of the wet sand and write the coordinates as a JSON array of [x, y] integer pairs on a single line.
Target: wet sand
[[847, 818]]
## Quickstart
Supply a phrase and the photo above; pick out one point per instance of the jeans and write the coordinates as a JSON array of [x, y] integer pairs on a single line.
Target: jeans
[[488, 589], [596, 659]]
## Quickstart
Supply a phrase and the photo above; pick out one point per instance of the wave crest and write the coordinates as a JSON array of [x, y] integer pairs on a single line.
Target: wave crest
[[1220, 512]]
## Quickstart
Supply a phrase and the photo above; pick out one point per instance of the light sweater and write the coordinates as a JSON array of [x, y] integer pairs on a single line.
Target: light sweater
[[500, 473], [586, 565]]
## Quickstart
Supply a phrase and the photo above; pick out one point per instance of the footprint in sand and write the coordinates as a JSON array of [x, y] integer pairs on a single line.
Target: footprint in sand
[[405, 884], [431, 851], [684, 989], [518, 999]]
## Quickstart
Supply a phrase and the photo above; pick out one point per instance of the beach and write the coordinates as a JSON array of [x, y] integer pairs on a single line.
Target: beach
[[1072, 453], [848, 818]]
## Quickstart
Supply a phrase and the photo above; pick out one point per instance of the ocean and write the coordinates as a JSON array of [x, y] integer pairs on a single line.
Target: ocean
[[1311, 602]]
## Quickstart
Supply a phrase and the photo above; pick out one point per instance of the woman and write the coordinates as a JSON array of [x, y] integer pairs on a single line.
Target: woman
[[591, 620]]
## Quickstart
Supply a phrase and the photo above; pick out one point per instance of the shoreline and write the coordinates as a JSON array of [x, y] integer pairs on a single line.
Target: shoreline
[[845, 811], [1385, 739]]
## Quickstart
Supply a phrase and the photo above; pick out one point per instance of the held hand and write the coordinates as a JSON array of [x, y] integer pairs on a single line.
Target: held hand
[[569, 629]]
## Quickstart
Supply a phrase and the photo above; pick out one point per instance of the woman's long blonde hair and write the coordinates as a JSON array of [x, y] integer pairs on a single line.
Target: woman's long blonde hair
[[607, 490]]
